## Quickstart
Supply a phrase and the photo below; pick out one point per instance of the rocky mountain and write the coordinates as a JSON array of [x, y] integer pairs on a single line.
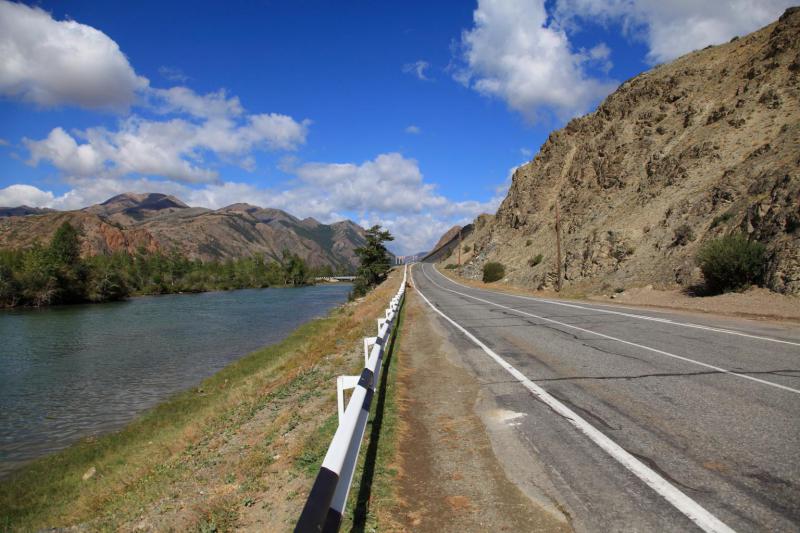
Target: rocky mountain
[[159, 222], [703, 146], [22, 210], [447, 237]]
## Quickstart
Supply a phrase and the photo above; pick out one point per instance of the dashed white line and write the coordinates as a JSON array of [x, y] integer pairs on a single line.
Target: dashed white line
[[693, 510], [623, 341], [631, 315]]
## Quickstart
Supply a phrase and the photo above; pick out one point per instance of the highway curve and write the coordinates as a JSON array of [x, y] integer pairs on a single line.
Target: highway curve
[[633, 420]]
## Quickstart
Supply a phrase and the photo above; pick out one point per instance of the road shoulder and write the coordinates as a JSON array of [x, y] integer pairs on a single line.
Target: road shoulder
[[450, 478]]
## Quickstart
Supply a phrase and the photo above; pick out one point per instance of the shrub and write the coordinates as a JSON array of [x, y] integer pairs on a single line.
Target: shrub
[[493, 272], [732, 262], [535, 260], [528, 242], [466, 248], [450, 266], [683, 235], [720, 219]]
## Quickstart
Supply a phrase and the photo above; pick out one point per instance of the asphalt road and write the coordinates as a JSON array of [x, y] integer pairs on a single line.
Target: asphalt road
[[632, 420]]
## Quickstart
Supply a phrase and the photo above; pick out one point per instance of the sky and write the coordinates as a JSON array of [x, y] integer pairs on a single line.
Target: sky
[[408, 114]]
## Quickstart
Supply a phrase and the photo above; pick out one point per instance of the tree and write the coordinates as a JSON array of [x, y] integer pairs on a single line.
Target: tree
[[294, 268], [375, 262], [65, 246]]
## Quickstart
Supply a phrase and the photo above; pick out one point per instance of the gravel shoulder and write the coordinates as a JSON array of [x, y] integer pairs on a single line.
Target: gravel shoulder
[[450, 478], [756, 303]]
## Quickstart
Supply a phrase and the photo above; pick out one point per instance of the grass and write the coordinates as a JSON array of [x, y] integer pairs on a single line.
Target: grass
[[255, 406], [374, 488]]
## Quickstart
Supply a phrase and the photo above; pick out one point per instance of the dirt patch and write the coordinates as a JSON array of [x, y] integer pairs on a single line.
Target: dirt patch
[[450, 479], [756, 303]]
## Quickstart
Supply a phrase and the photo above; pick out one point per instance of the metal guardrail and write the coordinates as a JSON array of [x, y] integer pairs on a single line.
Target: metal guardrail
[[326, 501]]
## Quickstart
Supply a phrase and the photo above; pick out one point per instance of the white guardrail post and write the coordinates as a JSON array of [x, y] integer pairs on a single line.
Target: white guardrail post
[[326, 502]]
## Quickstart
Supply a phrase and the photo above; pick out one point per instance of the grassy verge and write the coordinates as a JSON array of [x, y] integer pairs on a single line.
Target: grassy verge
[[374, 485], [239, 450]]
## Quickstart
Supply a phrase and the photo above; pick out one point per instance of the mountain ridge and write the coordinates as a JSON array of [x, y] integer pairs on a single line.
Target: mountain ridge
[[700, 147], [160, 222]]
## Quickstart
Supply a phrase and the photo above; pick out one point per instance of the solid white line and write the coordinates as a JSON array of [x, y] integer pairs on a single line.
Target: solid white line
[[629, 343], [693, 510], [631, 315]]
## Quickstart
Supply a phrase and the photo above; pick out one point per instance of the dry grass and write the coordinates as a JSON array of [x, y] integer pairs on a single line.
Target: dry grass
[[238, 451]]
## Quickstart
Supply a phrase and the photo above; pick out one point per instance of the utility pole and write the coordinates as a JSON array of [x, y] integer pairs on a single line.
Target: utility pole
[[558, 246], [459, 246]]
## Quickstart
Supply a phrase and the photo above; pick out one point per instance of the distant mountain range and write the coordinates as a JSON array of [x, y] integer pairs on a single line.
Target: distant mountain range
[[160, 222]]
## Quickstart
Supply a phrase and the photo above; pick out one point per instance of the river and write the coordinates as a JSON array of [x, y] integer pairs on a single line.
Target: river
[[73, 371]]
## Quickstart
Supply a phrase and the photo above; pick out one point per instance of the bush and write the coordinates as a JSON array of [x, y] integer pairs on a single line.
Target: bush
[[493, 272], [732, 262], [450, 266], [683, 235], [466, 248], [535, 260], [528, 242], [720, 219]]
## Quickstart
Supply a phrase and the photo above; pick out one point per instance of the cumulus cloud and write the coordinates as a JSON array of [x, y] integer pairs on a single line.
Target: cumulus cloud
[[172, 148], [414, 130], [389, 190], [516, 53], [16, 195], [50, 62], [417, 68], [671, 29]]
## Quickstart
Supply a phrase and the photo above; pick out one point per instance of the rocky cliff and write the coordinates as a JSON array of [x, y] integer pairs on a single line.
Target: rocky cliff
[[706, 145], [158, 222]]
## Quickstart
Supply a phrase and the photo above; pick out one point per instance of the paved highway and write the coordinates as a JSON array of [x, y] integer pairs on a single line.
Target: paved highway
[[631, 420]]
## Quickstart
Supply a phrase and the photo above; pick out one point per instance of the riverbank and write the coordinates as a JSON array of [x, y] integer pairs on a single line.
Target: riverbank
[[238, 451]]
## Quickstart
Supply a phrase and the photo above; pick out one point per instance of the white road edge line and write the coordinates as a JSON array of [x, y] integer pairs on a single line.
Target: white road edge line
[[629, 343], [632, 315], [693, 510]]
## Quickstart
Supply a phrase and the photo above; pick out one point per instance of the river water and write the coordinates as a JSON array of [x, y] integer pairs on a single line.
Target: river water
[[73, 371]]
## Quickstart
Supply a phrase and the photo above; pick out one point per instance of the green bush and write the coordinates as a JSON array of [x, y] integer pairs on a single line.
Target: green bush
[[493, 272], [528, 242], [720, 219], [450, 266], [535, 260], [466, 248], [732, 262]]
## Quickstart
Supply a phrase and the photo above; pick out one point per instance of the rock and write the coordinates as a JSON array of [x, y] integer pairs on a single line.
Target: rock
[[89, 474]]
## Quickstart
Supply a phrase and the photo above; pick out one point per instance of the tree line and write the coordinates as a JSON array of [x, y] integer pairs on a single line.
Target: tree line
[[57, 274]]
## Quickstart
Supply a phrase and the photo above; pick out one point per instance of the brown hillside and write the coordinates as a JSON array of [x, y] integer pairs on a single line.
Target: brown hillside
[[128, 222], [706, 145]]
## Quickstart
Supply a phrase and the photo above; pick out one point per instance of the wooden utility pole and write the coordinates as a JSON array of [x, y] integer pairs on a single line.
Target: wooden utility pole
[[459, 247], [558, 246]]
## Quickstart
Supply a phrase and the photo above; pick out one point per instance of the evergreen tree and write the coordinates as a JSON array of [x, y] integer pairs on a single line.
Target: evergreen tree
[[375, 261]]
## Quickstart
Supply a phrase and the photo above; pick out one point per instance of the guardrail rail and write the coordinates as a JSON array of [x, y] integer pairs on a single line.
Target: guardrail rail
[[326, 502]]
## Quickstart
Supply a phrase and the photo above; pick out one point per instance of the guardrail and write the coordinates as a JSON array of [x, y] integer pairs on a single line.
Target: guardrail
[[326, 501]]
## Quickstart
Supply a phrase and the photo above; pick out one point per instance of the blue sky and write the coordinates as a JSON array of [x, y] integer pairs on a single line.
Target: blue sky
[[408, 114]]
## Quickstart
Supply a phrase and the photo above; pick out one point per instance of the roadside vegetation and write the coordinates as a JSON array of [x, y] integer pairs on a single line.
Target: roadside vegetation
[[732, 263], [238, 451], [493, 272], [57, 274], [375, 261]]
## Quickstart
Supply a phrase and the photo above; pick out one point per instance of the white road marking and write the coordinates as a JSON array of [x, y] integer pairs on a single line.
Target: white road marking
[[693, 510], [629, 343], [631, 315]]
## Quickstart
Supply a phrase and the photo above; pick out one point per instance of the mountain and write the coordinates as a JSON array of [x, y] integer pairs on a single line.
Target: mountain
[[691, 150], [22, 211], [447, 237], [159, 222]]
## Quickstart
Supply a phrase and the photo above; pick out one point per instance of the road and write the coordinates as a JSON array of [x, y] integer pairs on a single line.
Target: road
[[632, 420]]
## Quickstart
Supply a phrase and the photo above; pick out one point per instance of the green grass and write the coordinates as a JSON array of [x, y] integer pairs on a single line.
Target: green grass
[[132, 463], [375, 480]]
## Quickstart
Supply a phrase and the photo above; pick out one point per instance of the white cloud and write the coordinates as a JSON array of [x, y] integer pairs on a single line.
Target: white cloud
[[16, 195], [515, 52], [526, 152], [173, 148], [389, 190], [414, 130], [173, 74], [50, 62], [417, 68], [673, 28]]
